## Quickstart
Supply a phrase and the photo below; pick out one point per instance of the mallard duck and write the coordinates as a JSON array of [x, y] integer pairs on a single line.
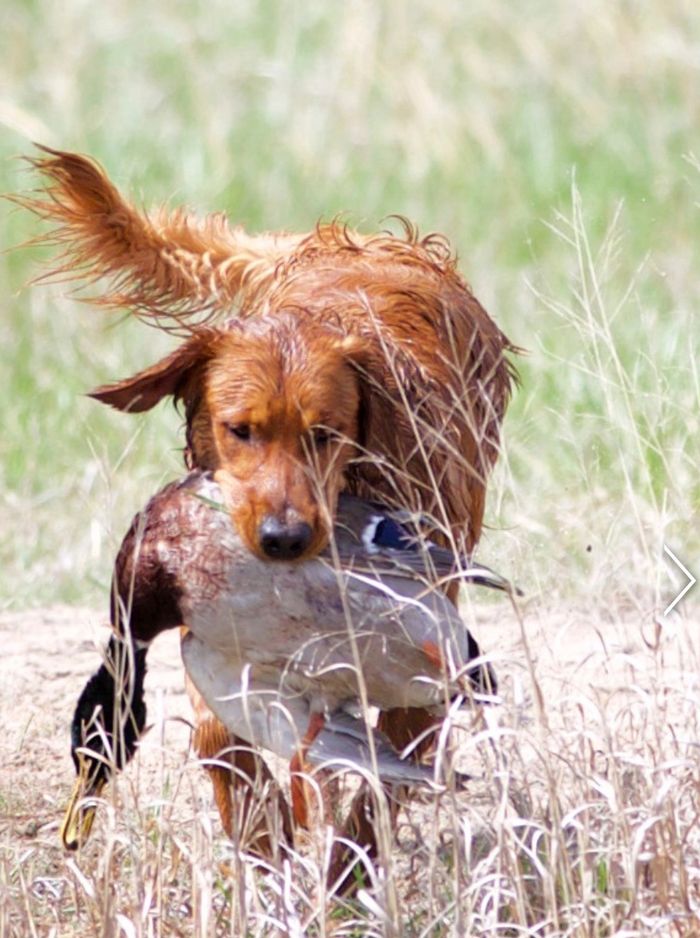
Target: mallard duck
[[287, 655]]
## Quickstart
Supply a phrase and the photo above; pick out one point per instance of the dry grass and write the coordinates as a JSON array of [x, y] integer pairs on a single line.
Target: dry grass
[[581, 819], [583, 816], [468, 119]]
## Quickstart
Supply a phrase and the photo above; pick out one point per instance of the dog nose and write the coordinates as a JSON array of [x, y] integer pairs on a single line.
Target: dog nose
[[280, 541]]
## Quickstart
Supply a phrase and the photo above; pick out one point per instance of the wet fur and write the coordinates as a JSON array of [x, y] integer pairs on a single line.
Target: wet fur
[[312, 314], [375, 339]]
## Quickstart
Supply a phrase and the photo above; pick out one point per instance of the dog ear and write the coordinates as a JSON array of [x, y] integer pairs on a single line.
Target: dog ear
[[142, 391], [355, 350]]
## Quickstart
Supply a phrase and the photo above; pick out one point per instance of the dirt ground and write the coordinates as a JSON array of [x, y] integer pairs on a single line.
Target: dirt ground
[[48, 654]]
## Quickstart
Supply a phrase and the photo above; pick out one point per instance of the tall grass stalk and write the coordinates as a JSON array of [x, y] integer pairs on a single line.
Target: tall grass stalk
[[556, 145]]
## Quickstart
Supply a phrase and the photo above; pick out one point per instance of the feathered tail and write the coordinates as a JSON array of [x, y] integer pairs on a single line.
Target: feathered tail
[[169, 265]]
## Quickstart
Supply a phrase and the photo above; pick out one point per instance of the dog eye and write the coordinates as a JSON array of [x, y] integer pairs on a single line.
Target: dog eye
[[240, 430], [321, 436]]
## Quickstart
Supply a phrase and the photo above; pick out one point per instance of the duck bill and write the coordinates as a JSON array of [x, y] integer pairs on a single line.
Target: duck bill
[[80, 813]]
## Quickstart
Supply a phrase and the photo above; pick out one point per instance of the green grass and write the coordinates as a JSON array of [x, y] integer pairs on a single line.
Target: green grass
[[553, 145], [557, 145]]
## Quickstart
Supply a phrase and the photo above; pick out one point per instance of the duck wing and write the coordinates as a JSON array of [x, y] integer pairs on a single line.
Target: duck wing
[[263, 714]]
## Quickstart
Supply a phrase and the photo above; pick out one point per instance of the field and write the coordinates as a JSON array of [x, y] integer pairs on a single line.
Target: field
[[557, 146]]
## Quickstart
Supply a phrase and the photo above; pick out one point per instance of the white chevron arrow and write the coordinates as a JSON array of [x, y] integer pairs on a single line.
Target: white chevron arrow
[[691, 579]]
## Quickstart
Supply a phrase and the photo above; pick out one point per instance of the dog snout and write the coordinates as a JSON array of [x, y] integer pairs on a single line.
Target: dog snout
[[282, 541]]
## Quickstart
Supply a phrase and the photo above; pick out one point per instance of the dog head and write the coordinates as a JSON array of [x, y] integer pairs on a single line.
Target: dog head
[[277, 403]]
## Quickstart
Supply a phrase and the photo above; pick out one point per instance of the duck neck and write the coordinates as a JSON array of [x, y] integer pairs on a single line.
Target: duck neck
[[111, 710]]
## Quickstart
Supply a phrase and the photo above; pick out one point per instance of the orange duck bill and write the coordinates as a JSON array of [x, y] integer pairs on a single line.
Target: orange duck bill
[[80, 813]]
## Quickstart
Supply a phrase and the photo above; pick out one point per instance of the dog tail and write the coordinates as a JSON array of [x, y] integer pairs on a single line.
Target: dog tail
[[168, 266]]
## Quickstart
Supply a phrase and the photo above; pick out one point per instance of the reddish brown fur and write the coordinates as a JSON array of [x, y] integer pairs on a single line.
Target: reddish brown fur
[[283, 380], [432, 364], [377, 338]]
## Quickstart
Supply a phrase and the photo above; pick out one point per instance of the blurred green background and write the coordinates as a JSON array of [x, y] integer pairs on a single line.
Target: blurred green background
[[556, 144]]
